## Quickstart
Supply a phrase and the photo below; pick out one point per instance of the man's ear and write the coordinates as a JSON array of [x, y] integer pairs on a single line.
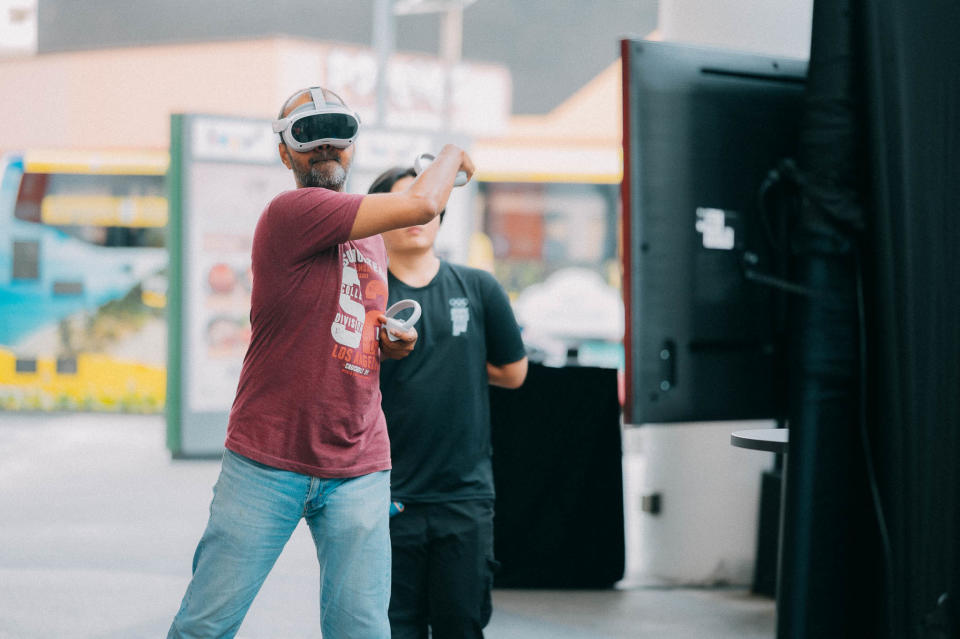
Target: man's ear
[[284, 155]]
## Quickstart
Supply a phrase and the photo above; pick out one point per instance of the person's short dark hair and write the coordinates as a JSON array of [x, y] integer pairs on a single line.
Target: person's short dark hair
[[385, 181]]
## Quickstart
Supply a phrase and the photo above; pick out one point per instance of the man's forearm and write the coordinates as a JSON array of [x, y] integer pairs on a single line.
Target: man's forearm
[[436, 181], [508, 375]]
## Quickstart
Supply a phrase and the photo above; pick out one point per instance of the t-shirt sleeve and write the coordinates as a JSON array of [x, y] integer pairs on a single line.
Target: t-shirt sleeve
[[307, 221], [504, 343]]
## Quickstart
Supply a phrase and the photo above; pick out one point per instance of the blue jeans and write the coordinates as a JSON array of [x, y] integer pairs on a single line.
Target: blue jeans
[[254, 511]]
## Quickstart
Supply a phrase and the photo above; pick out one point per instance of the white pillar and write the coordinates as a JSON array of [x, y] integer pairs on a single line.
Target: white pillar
[[709, 491], [778, 27]]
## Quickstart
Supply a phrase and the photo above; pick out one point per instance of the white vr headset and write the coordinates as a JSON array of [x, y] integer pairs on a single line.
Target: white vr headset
[[318, 123]]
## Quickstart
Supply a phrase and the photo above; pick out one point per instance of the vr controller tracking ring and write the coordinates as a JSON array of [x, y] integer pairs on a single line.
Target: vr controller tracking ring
[[423, 161], [402, 325]]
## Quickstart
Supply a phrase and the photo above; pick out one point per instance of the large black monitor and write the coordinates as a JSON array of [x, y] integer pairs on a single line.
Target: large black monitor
[[703, 128]]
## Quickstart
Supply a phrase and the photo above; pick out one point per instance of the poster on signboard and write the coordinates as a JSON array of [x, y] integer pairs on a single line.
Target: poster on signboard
[[224, 171]]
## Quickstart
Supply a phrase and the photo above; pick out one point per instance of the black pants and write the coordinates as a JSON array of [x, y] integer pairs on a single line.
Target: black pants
[[443, 569]]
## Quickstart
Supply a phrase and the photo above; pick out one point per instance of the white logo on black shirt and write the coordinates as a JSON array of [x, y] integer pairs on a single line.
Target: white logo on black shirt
[[459, 315]]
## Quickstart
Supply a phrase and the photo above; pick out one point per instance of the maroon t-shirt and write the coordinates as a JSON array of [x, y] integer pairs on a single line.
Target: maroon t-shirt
[[309, 396]]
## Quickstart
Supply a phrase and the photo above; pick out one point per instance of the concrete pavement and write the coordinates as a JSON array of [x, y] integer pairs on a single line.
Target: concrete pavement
[[98, 527]]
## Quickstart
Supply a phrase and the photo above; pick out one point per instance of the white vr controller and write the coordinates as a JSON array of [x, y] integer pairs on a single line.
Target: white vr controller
[[405, 324], [423, 161]]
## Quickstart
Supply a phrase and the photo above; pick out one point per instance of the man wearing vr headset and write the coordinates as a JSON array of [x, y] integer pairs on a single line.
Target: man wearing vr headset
[[306, 437]]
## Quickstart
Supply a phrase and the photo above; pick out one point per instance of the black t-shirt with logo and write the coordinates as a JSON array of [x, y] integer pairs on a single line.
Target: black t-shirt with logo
[[436, 400]]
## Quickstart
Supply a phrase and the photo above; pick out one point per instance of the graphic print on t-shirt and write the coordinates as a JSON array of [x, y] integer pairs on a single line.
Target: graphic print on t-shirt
[[459, 315], [356, 339], [348, 325]]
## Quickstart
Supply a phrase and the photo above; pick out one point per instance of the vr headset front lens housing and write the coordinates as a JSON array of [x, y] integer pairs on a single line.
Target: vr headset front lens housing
[[324, 126], [316, 124]]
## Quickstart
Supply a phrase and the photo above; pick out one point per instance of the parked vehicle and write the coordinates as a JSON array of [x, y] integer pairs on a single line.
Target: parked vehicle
[[82, 280]]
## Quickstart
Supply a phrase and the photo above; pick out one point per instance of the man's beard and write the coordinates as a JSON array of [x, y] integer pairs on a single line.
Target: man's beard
[[327, 175]]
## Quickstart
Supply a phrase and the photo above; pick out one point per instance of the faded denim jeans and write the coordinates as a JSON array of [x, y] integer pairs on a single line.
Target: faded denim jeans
[[254, 512]]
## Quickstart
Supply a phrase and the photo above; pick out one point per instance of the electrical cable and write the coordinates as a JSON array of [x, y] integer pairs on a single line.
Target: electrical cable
[[785, 168], [886, 546]]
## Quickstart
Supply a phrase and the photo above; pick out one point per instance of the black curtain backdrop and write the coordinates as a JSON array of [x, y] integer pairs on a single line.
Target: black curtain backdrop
[[557, 465], [911, 66], [872, 530]]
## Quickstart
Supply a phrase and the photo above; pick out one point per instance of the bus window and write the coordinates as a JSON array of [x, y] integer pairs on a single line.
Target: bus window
[[102, 209]]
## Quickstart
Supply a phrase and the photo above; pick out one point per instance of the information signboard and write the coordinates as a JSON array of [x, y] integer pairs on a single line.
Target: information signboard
[[223, 171]]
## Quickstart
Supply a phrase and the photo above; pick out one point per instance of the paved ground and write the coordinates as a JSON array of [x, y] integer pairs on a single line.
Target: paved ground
[[98, 526]]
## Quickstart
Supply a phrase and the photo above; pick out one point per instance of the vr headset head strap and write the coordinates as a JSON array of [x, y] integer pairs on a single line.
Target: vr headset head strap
[[319, 101]]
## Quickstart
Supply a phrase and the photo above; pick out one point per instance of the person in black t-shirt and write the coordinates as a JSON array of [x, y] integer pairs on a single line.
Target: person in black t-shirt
[[436, 402]]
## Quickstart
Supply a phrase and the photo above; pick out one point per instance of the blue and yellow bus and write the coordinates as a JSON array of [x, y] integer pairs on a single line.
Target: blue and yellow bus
[[83, 280]]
